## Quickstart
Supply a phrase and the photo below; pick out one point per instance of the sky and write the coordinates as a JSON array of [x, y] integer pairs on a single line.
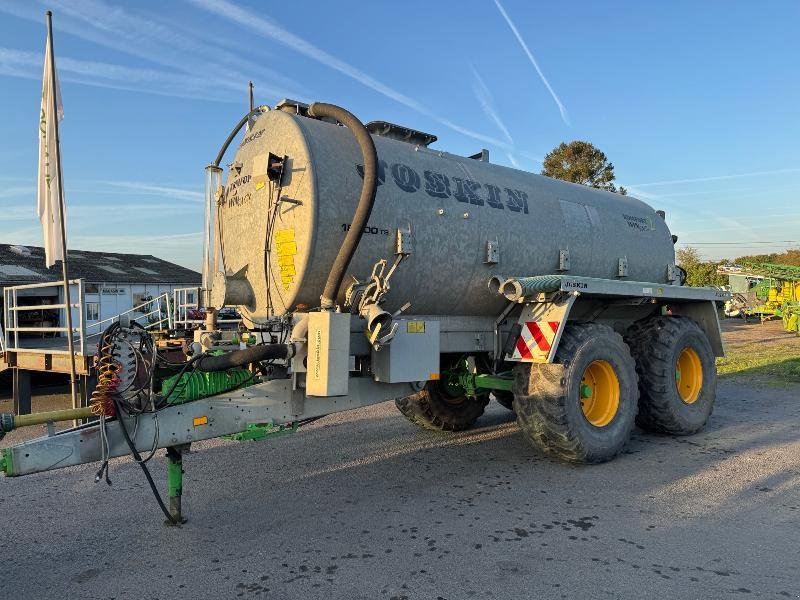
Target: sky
[[695, 103]]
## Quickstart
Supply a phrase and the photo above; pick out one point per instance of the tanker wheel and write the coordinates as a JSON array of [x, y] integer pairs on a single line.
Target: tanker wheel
[[504, 398], [677, 374], [582, 407], [444, 405]]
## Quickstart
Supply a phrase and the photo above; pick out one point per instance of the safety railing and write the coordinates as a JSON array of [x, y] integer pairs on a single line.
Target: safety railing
[[12, 310], [152, 314], [185, 307], [188, 313]]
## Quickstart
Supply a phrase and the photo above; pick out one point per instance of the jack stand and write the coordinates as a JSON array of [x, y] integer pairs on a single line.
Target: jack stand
[[175, 482]]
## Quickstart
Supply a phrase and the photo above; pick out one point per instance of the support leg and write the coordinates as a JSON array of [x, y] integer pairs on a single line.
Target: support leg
[[21, 384], [175, 483]]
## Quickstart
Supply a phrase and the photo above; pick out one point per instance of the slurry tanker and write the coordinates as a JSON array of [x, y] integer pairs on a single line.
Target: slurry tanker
[[368, 266]]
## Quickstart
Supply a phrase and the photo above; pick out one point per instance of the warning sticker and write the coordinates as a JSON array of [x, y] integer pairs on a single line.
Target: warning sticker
[[286, 248], [415, 327]]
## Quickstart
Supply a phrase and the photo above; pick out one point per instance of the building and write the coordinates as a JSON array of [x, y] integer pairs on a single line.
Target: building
[[112, 282]]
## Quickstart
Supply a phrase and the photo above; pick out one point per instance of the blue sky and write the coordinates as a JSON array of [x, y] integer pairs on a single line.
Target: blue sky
[[696, 104]]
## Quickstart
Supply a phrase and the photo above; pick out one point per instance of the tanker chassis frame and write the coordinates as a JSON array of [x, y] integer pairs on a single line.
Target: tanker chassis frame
[[279, 406]]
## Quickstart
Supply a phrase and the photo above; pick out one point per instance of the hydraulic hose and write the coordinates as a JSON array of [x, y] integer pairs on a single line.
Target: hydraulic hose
[[256, 111], [137, 457], [364, 208], [239, 358]]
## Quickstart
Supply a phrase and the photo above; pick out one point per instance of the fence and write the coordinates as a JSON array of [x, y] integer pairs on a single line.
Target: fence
[[153, 313], [12, 310]]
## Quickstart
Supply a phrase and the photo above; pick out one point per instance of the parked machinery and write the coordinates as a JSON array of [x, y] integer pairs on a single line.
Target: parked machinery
[[368, 266], [764, 291]]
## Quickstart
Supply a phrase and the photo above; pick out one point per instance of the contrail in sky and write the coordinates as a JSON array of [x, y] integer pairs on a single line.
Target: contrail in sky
[[484, 97], [188, 53], [522, 43], [717, 177], [28, 65], [270, 29]]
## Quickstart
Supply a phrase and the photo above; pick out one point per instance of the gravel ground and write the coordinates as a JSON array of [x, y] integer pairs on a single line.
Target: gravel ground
[[363, 505]]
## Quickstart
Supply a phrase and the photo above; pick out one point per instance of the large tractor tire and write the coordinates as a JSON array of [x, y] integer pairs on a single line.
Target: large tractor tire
[[582, 407], [677, 374], [504, 399], [444, 405]]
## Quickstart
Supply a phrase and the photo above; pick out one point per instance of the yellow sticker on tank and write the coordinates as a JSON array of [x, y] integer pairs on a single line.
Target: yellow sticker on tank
[[260, 182], [286, 249], [284, 235], [415, 327]]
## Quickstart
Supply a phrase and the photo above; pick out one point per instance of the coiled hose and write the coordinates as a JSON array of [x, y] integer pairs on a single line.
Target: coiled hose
[[102, 402]]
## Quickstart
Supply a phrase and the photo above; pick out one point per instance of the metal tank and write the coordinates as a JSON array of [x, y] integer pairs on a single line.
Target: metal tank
[[468, 220]]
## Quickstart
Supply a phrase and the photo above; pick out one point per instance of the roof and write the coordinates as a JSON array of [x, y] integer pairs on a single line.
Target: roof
[[25, 264]]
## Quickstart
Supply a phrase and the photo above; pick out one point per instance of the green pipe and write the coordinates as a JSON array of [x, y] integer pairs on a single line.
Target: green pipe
[[175, 484], [9, 421], [494, 382], [520, 287]]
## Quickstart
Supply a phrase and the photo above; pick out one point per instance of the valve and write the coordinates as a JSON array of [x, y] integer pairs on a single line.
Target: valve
[[366, 299]]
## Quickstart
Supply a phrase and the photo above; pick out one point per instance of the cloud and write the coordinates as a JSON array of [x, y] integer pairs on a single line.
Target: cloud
[[188, 52], [484, 97], [16, 191], [270, 29], [561, 108], [718, 177], [137, 187], [28, 65]]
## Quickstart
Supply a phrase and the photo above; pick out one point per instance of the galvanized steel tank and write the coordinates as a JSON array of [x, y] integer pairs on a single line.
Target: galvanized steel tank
[[456, 208]]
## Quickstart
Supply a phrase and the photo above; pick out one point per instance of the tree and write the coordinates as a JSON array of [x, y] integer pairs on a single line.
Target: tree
[[790, 257], [580, 162], [699, 273], [687, 256]]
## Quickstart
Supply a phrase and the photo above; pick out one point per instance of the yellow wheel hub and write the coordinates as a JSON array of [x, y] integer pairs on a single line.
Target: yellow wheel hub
[[689, 375], [599, 393]]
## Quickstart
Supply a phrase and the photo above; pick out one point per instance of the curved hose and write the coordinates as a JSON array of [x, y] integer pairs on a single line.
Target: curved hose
[[239, 358], [365, 202], [255, 111]]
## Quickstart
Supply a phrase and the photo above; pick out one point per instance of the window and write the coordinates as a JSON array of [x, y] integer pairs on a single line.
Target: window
[[189, 297], [92, 311], [91, 288]]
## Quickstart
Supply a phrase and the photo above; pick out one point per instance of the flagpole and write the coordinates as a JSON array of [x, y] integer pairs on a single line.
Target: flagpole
[[62, 211]]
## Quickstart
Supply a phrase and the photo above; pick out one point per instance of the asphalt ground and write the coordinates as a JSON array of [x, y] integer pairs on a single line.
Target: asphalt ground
[[363, 505]]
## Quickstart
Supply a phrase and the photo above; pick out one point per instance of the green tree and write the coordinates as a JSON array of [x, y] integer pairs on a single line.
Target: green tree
[[580, 162], [790, 257], [699, 273]]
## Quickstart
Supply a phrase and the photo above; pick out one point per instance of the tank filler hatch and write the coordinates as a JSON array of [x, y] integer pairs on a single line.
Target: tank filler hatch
[[398, 132]]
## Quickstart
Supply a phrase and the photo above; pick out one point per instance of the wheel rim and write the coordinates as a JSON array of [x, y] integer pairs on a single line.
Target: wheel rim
[[689, 375], [599, 393]]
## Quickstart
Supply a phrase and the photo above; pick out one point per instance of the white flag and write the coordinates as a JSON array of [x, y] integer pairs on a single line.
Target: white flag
[[49, 205]]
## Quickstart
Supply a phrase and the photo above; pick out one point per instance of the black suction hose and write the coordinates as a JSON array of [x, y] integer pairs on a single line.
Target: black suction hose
[[365, 202], [256, 111], [239, 358]]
